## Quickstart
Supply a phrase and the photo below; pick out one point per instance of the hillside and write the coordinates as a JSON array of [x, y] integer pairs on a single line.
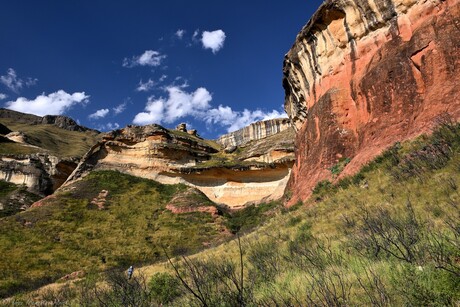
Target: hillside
[[48, 138], [254, 172], [387, 236], [106, 220]]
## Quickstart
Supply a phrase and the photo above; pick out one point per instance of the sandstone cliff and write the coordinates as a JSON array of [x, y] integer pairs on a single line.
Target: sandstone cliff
[[363, 74], [255, 131], [168, 156], [41, 173]]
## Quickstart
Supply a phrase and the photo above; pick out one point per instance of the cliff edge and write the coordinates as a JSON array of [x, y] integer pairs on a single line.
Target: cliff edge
[[363, 74]]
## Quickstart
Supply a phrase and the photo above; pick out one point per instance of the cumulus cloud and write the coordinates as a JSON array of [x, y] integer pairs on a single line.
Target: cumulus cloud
[[148, 58], [180, 104], [180, 33], [99, 114], [3, 96], [119, 108], [213, 40], [53, 104], [145, 86], [14, 83]]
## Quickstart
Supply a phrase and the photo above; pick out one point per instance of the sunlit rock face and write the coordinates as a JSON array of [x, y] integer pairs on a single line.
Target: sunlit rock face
[[171, 157], [363, 74], [41, 173], [255, 131]]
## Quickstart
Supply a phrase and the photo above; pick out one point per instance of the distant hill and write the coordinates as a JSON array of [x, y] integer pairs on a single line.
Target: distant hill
[[59, 121], [60, 136]]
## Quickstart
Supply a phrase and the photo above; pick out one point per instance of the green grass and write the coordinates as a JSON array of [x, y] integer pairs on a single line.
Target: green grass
[[60, 142], [388, 236], [13, 197], [70, 234]]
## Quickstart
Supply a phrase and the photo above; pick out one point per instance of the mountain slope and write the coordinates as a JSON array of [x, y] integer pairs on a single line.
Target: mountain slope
[[106, 220]]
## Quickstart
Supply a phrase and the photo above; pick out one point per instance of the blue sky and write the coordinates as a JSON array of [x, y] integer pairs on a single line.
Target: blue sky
[[215, 65]]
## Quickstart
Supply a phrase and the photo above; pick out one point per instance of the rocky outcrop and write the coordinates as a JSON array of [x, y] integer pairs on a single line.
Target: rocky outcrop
[[41, 173], [170, 157], [255, 131], [192, 200], [60, 121], [363, 74]]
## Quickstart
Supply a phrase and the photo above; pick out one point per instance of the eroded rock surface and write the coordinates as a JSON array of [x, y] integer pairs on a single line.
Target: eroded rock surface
[[41, 173], [363, 74], [171, 157], [255, 131]]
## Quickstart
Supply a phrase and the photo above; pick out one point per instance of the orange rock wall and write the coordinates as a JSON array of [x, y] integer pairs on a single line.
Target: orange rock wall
[[363, 74]]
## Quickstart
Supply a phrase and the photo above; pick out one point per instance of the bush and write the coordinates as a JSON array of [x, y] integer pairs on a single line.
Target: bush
[[164, 288]]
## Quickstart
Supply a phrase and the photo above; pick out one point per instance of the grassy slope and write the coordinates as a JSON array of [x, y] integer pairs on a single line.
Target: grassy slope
[[13, 197], [322, 253], [69, 234], [60, 142]]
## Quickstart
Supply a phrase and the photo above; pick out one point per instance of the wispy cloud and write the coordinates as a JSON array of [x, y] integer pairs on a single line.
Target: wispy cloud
[[53, 104], [180, 33], [213, 40], [119, 108], [180, 104], [14, 83], [148, 58], [107, 127], [3, 96], [99, 114], [145, 86]]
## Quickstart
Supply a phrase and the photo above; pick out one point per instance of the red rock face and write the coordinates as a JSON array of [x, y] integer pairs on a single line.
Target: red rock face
[[364, 74]]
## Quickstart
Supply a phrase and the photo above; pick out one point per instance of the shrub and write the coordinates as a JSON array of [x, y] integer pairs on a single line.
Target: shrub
[[164, 288]]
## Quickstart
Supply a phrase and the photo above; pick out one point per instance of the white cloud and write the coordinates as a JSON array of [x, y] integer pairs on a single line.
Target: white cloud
[[31, 82], [213, 40], [145, 86], [162, 78], [148, 58], [53, 104], [195, 35], [180, 33], [113, 126], [154, 112], [99, 114], [14, 83], [3, 96], [119, 108], [107, 127], [180, 104]]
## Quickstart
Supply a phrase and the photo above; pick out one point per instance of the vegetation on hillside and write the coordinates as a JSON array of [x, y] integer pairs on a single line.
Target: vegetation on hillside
[[71, 233], [388, 236], [83, 228], [14, 198], [57, 141]]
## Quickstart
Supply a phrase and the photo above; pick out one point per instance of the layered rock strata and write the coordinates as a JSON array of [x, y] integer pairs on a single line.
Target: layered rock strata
[[176, 157], [363, 74], [41, 173], [255, 131]]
